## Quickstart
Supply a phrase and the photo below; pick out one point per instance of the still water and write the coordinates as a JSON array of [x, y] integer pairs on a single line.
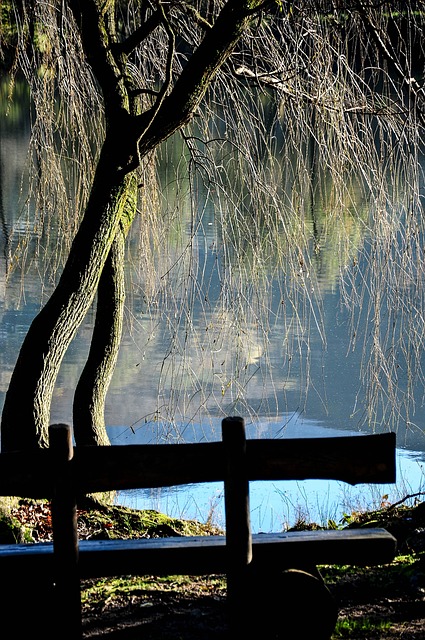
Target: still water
[[271, 367], [277, 505]]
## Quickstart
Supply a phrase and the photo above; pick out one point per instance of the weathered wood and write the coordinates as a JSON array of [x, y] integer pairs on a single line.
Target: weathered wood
[[63, 472], [357, 459], [65, 537], [200, 555], [236, 493], [238, 520]]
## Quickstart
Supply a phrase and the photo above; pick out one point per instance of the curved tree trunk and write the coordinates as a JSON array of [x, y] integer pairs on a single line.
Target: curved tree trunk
[[92, 387], [26, 411]]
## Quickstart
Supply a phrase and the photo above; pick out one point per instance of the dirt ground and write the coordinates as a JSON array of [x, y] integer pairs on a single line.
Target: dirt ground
[[383, 602]]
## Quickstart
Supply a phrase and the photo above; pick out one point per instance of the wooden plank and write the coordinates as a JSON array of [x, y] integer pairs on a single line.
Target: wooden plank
[[199, 555], [351, 459], [67, 608], [238, 521], [350, 546], [359, 459], [27, 559]]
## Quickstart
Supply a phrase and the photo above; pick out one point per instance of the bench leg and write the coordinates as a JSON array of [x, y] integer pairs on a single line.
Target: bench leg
[[290, 604], [27, 606]]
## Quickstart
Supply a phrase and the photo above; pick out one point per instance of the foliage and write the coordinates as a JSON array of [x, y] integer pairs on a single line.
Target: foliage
[[316, 99], [26, 520], [12, 531]]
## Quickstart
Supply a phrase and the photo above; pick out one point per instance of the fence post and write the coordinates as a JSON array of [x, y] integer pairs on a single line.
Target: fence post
[[67, 612], [238, 521]]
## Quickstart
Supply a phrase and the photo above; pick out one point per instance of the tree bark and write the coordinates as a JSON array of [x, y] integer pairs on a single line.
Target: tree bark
[[92, 387], [129, 138], [26, 411]]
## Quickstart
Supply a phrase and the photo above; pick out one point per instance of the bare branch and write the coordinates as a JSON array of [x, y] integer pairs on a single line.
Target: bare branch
[[140, 34]]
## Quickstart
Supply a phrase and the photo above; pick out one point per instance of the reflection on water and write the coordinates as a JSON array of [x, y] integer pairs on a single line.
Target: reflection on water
[[208, 335]]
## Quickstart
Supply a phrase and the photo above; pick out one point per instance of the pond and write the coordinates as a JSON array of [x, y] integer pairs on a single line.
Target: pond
[[188, 357]]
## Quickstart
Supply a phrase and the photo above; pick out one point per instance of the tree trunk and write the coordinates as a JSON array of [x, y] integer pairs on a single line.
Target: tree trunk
[[92, 387], [26, 411]]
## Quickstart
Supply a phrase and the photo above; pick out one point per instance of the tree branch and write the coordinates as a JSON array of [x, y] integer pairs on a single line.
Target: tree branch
[[140, 34], [218, 44], [98, 37], [149, 116], [411, 86]]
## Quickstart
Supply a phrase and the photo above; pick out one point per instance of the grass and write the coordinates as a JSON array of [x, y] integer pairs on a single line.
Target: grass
[[380, 580], [352, 628], [98, 594]]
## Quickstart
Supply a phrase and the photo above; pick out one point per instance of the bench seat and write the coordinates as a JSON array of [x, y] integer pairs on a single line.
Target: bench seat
[[199, 555]]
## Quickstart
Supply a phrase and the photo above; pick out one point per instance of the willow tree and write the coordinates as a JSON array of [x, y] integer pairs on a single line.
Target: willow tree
[[112, 80]]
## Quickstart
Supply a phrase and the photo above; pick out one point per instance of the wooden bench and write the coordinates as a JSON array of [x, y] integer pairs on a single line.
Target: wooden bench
[[271, 577]]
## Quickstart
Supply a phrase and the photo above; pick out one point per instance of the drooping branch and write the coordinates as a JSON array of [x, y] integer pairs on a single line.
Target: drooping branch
[[184, 99], [139, 35], [25, 415], [96, 21], [327, 94], [413, 90]]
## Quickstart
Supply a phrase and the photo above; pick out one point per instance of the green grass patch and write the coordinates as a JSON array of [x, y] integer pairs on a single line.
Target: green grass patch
[[401, 567], [361, 627], [117, 591]]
